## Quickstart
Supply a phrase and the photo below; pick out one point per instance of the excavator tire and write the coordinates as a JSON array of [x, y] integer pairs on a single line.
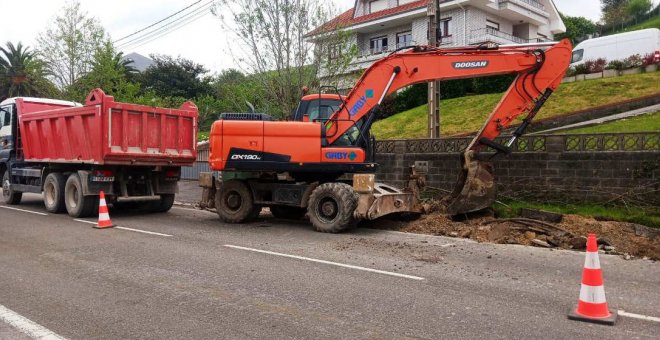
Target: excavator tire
[[287, 212], [234, 202], [331, 207]]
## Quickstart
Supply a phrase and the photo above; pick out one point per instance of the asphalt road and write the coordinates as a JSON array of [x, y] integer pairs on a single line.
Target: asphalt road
[[196, 278]]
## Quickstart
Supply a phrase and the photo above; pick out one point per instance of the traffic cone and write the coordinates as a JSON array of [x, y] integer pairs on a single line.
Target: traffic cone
[[592, 306], [104, 217]]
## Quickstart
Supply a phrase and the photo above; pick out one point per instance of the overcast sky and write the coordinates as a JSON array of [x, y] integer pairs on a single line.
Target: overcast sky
[[202, 40]]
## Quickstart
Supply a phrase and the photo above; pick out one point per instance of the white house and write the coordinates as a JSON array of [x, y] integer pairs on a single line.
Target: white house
[[381, 26]]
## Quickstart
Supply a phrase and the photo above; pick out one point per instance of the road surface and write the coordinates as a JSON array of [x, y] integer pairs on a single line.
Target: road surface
[[193, 277]]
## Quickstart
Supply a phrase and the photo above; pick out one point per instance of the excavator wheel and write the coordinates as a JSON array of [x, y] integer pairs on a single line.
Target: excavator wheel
[[287, 212], [475, 189], [234, 202], [331, 207]]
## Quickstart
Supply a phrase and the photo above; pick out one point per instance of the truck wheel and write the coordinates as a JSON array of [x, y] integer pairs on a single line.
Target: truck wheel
[[77, 204], [331, 207], [8, 194], [234, 202], [54, 193], [163, 205], [287, 212]]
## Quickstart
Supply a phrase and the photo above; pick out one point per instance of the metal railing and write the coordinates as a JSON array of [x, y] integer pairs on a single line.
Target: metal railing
[[596, 142], [483, 35], [532, 3], [486, 34]]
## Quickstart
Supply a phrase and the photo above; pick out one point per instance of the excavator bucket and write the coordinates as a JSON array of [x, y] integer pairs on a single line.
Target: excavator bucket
[[475, 189]]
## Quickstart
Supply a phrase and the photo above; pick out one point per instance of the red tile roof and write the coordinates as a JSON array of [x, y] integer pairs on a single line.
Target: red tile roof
[[347, 18]]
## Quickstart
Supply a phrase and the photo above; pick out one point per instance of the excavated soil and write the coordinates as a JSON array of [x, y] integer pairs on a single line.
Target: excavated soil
[[621, 238]]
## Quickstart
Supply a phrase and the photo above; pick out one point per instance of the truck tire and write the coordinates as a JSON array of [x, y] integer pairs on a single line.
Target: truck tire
[[163, 205], [54, 193], [77, 204], [234, 202], [331, 207], [8, 194], [287, 212]]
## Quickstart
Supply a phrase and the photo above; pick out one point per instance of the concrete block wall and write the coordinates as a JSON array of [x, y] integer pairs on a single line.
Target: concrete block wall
[[554, 173]]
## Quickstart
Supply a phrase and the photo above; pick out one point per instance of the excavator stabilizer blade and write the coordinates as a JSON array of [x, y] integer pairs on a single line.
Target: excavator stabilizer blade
[[475, 189]]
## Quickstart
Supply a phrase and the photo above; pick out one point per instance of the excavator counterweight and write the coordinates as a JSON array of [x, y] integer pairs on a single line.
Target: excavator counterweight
[[299, 166]]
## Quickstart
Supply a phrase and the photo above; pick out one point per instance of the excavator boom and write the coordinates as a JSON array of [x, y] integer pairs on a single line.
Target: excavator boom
[[539, 70]]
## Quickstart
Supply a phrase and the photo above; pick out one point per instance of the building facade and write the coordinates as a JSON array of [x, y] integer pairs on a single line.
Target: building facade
[[378, 27]]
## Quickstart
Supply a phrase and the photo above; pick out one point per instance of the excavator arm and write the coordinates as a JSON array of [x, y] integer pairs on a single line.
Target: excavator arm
[[539, 70]]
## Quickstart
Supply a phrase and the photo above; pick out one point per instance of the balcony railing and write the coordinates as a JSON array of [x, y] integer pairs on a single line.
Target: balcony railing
[[487, 34], [492, 35], [532, 3]]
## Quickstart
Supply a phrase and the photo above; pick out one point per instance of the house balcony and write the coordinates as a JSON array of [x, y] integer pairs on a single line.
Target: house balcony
[[525, 10], [484, 35]]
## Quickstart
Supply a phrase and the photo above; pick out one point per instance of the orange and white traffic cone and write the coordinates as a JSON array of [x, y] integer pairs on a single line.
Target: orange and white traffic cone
[[592, 306], [104, 216]]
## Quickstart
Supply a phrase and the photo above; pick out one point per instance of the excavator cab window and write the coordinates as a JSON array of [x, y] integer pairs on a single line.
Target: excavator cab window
[[321, 110]]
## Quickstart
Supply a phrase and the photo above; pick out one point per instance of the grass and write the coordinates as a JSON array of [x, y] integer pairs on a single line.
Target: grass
[[649, 217], [641, 123], [467, 114], [650, 23]]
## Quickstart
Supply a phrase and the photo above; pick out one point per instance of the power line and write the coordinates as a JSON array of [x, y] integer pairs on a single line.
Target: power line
[[168, 27], [156, 23], [147, 40]]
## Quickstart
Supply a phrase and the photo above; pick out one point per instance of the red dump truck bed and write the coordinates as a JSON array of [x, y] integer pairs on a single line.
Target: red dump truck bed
[[107, 132]]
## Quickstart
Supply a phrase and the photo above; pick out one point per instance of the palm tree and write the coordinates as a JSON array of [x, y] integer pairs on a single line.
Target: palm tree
[[21, 72]]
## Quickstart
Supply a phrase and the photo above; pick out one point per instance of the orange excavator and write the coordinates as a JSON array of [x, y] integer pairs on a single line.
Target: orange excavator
[[322, 164]]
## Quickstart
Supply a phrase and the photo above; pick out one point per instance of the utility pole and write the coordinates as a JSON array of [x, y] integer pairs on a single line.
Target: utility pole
[[435, 38]]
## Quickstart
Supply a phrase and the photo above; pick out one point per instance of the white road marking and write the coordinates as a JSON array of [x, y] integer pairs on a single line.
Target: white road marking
[[23, 210], [638, 316], [144, 231], [27, 326], [129, 229], [327, 262]]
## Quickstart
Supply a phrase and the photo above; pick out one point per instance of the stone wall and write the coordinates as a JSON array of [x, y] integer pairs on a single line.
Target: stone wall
[[581, 168]]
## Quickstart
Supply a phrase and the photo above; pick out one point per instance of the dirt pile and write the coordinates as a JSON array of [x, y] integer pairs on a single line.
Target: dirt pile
[[627, 239]]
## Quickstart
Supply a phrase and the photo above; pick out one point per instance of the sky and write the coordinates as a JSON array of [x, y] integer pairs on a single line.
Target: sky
[[203, 40]]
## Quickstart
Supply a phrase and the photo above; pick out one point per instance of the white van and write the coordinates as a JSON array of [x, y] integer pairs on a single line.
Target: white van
[[617, 46]]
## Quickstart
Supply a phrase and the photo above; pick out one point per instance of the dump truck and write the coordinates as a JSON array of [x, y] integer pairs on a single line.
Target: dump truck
[[322, 164], [71, 152]]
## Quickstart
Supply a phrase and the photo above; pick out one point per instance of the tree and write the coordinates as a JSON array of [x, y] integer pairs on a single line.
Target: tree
[[638, 7], [69, 44], [577, 28], [22, 73], [276, 51], [169, 77], [614, 11], [109, 72]]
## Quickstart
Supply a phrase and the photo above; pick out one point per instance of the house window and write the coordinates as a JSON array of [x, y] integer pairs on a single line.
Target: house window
[[403, 2], [334, 51], [377, 5], [492, 25], [446, 27], [378, 45], [403, 39]]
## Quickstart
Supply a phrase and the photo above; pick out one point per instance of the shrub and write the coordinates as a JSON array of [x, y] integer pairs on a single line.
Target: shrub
[[649, 59], [570, 71], [598, 65], [615, 65], [633, 61], [582, 68]]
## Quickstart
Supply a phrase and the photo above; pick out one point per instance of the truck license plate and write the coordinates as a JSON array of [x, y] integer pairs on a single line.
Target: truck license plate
[[102, 179]]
